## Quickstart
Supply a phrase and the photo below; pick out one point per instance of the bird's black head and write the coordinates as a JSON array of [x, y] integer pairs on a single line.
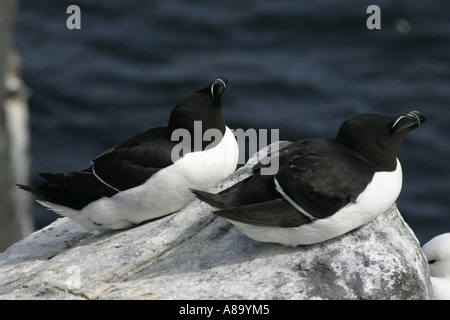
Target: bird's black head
[[204, 105], [376, 138]]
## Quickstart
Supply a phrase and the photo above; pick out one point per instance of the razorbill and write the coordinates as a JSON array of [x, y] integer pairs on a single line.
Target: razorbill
[[138, 180], [323, 188], [437, 251]]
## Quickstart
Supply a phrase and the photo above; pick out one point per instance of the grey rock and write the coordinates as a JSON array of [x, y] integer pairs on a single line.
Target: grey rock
[[195, 255]]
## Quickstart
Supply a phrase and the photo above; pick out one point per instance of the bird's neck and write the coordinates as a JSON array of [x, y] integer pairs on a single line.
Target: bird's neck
[[380, 158]]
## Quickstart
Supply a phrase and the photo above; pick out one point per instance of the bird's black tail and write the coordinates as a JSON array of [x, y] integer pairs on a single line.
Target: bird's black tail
[[61, 196], [212, 199], [74, 190]]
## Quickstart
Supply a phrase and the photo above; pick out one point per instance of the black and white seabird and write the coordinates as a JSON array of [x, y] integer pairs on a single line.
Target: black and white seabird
[[323, 187], [138, 180], [437, 251]]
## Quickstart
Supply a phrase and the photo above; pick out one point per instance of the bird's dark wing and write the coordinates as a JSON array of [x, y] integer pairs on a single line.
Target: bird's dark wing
[[252, 190], [254, 201], [132, 162], [321, 176], [75, 189], [121, 167], [274, 213]]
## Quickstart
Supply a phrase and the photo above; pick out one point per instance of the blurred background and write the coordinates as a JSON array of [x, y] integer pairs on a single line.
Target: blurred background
[[298, 66]]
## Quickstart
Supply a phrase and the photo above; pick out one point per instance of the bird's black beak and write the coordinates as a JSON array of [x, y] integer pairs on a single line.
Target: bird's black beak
[[411, 120], [218, 87]]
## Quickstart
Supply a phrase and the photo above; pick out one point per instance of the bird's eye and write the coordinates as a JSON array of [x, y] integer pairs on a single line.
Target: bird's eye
[[431, 261]]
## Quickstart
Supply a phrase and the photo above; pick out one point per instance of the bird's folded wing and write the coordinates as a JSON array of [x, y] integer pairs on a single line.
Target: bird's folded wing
[[322, 183], [274, 213], [134, 161]]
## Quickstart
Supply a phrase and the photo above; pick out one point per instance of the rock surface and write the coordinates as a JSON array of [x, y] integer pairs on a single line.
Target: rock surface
[[195, 255]]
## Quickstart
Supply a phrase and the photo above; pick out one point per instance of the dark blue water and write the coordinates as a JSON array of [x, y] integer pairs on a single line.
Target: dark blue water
[[299, 66]]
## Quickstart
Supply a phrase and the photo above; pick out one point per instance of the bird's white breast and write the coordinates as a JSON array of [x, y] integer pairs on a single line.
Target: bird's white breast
[[441, 288]]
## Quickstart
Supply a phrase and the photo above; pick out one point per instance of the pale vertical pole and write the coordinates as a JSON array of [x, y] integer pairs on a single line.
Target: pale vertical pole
[[15, 217]]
